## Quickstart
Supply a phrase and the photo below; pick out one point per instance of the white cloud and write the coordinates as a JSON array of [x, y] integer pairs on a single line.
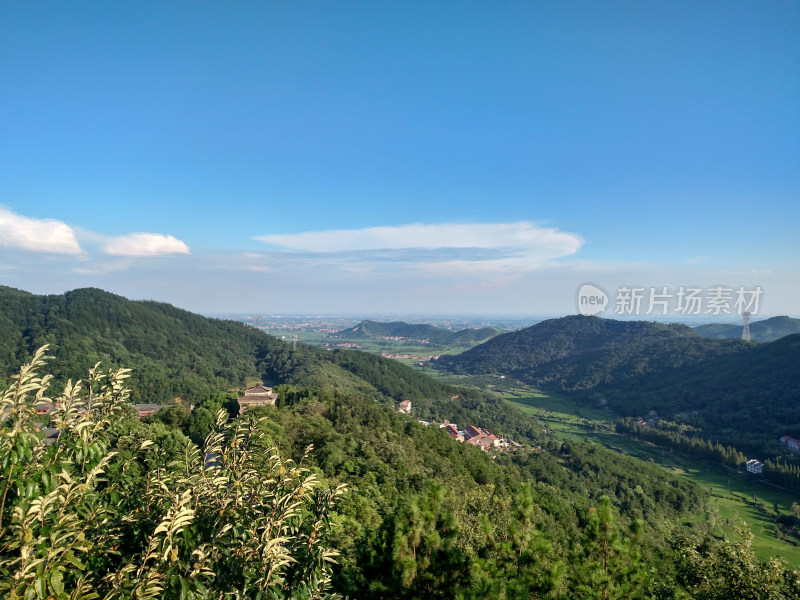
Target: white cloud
[[502, 246], [37, 235], [144, 244]]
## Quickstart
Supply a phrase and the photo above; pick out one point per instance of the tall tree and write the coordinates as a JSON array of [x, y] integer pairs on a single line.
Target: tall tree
[[607, 565]]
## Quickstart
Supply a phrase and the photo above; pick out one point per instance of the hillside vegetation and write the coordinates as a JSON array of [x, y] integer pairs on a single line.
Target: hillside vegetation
[[767, 330], [174, 353], [579, 353], [184, 505], [383, 507], [743, 394], [432, 334]]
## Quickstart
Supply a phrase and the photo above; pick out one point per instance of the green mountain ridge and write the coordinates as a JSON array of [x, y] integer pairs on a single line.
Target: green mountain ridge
[[418, 331], [747, 399], [423, 516], [744, 394], [767, 330], [578, 353], [175, 353]]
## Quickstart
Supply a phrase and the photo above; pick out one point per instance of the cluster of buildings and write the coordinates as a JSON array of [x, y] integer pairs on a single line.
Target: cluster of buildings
[[143, 410], [258, 395], [401, 338], [476, 436], [402, 356], [350, 345], [650, 421]]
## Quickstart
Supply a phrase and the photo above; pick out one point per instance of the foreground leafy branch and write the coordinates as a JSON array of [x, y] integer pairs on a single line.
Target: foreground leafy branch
[[233, 520]]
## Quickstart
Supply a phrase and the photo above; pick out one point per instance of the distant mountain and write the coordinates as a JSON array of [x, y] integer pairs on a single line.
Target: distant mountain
[[434, 335], [767, 330]]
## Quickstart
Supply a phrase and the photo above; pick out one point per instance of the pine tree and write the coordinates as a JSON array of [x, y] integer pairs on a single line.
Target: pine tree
[[607, 565]]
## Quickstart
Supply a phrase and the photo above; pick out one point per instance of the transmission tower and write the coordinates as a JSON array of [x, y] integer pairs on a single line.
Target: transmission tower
[[746, 328], [294, 341]]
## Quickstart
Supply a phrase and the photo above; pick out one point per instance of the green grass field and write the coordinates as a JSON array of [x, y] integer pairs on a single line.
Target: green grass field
[[374, 346], [732, 494]]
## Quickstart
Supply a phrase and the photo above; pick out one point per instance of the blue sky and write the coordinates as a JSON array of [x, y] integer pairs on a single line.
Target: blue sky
[[452, 157]]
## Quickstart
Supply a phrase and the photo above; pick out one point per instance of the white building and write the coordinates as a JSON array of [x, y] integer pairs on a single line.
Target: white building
[[754, 466]]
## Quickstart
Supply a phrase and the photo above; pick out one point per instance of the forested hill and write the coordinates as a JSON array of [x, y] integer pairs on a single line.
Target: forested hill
[[423, 516], [745, 398], [767, 330], [578, 352], [744, 394], [172, 352], [423, 331], [175, 353]]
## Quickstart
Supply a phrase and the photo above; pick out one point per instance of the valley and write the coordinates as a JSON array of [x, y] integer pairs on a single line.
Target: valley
[[734, 496], [401, 340], [417, 514]]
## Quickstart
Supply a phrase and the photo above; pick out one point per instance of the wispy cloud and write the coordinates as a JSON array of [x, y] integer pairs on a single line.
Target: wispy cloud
[[144, 244], [37, 235], [502, 246]]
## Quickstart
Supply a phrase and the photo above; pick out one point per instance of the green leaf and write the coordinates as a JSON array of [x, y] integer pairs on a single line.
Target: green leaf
[[73, 560], [55, 581], [186, 592], [40, 586]]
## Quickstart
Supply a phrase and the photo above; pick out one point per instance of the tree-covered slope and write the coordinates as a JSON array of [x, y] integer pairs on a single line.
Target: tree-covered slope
[[413, 331], [743, 394], [419, 516], [743, 398], [182, 353], [579, 353], [461, 504], [422, 516], [176, 353], [767, 330]]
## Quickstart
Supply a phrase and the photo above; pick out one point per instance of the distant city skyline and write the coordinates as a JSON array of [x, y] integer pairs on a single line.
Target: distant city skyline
[[400, 159]]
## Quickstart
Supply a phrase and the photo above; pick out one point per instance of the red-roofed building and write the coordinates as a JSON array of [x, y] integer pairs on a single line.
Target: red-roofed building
[[454, 433], [792, 443], [470, 431], [146, 410]]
